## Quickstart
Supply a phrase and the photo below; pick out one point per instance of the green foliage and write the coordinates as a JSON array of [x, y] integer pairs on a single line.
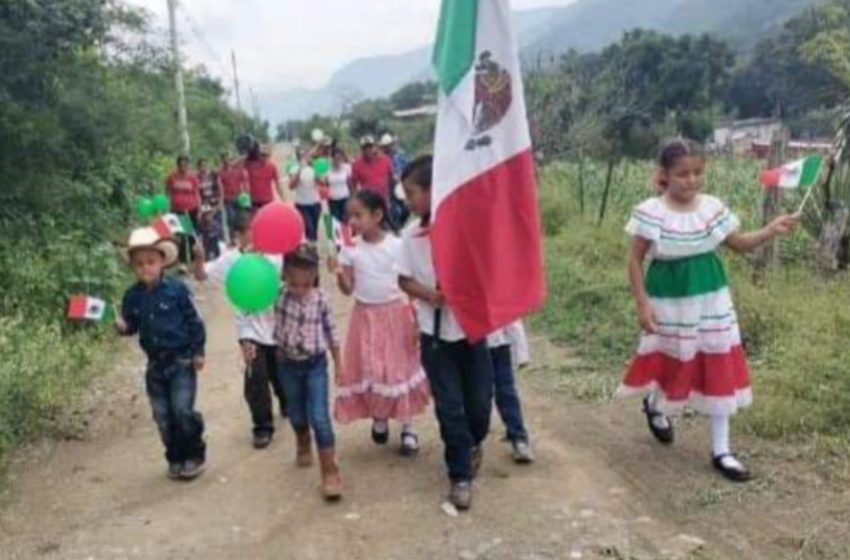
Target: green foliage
[[794, 332], [414, 95]]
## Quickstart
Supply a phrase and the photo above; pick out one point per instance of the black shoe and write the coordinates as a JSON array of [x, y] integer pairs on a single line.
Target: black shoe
[[262, 440], [192, 469], [664, 435], [380, 438], [733, 473]]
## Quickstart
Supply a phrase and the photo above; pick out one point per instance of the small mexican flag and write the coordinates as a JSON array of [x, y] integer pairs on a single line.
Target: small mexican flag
[[801, 173], [170, 225], [339, 234], [88, 308]]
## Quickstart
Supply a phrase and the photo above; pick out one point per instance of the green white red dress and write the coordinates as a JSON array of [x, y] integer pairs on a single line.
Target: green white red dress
[[695, 359]]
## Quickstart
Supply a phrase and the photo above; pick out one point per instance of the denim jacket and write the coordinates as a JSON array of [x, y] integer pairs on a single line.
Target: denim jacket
[[165, 318]]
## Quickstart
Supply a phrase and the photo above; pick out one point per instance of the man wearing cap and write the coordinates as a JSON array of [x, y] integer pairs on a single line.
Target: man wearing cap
[[373, 170], [398, 209], [263, 178]]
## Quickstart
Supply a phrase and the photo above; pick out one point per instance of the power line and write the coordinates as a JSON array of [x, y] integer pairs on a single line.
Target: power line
[[198, 33]]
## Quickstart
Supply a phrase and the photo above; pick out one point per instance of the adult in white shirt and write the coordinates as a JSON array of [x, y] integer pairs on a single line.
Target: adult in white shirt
[[307, 200], [255, 333], [339, 183]]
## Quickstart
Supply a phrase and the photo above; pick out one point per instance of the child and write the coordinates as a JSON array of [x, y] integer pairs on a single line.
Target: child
[[304, 334], [690, 353], [256, 336], [460, 372], [382, 378], [161, 311], [502, 345]]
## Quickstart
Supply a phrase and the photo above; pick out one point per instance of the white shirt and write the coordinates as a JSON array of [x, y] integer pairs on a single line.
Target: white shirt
[[338, 181], [375, 267], [416, 263], [307, 192], [514, 336], [256, 327]]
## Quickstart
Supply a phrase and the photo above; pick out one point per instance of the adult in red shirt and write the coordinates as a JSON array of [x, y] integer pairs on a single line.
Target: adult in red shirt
[[184, 190], [263, 179], [372, 170], [233, 181]]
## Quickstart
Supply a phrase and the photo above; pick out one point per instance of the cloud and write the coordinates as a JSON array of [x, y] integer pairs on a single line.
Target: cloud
[[282, 44]]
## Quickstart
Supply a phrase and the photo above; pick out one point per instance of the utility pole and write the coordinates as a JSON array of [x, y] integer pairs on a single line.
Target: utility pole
[[182, 120], [236, 81]]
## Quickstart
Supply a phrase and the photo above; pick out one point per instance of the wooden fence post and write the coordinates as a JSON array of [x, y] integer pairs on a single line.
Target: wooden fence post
[[768, 255]]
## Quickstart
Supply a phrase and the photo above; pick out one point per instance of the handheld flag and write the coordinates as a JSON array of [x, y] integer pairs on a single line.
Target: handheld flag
[[801, 173], [485, 230], [168, 225], [88, 308], [339, 234]]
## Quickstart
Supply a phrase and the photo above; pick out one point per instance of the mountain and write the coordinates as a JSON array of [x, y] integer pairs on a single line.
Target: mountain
[[584, 25], [379, 76]]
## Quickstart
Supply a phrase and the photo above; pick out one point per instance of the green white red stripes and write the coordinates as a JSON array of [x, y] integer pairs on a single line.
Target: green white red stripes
[[688, 276], [88, 308], [485, 228], [801, 173]]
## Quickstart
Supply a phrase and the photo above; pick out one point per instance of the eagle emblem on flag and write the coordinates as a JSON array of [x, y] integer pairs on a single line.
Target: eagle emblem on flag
[[493, 98]]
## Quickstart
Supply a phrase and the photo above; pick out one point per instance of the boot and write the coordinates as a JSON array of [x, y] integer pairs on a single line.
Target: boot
[[331, 481], [304, 455]]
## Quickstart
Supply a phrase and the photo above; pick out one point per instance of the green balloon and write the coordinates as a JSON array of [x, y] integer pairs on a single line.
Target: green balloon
[[253, 284], [243, 200], [161, 204], [145, 208], [321, 166]]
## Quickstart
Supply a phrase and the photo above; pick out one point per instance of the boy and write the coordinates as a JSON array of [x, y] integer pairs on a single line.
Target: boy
[[460, 372], [256, 336], [305, 333], [161, 311]]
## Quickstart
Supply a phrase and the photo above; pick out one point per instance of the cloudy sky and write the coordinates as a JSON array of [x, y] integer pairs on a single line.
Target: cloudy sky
[[283, 44]]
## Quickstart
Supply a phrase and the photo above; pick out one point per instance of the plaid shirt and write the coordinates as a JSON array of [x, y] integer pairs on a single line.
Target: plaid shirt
[[305, 327]]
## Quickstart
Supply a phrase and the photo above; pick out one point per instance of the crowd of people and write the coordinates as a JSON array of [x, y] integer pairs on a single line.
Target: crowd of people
[[404, 346]]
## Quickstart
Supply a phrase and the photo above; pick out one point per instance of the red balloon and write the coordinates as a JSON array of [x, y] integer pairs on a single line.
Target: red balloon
[[277, 229]]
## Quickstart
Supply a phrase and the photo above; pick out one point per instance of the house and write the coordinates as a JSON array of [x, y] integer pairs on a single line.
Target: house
[[415, 113], [739, 136]]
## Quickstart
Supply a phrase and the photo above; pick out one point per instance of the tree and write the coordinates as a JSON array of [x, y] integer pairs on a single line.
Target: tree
[[414, 95]]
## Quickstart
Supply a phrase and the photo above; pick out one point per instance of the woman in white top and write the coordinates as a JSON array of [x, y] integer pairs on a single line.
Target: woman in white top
[[381, 378], [306, 186], [339, 182]]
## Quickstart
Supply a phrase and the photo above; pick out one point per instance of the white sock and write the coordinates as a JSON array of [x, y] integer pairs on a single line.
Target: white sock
[[381, 426], [661, 422], [720, 434]]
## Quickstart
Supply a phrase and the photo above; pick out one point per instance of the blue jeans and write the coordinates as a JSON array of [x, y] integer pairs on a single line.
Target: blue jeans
[[305, 384], [461, 378], [339, 209], [311, 214], [171, 386], [507, 397]]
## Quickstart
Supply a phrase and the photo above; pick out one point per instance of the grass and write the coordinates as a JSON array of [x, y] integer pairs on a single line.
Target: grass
[[796, 323]]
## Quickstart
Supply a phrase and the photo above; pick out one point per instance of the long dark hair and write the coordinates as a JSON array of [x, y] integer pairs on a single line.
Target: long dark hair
[[375, 203]]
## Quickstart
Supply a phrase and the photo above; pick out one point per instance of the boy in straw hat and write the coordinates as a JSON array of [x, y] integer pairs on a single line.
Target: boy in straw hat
[[160, 309]]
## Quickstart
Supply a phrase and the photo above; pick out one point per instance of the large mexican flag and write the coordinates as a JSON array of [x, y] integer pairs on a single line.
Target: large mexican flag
[[485, 228]]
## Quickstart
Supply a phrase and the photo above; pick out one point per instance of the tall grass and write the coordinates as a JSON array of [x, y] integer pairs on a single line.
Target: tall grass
[[796, 324]]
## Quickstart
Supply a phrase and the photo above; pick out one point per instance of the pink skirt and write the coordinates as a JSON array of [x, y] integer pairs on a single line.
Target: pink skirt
[[381, 377]]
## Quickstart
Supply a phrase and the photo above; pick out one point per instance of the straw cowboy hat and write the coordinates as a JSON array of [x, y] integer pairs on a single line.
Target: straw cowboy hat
[[367, 140], [148, 238], [317, 135], [387, 140]]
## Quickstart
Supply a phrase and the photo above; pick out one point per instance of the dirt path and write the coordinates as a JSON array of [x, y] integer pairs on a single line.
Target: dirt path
[[107, 497]]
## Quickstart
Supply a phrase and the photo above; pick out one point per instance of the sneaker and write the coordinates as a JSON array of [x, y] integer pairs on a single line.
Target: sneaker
[[522, 453], [380, 432], [193, 468], [262, 440], [409, 444], [731, 468], [460, 495], [477, 459], [174, 470]]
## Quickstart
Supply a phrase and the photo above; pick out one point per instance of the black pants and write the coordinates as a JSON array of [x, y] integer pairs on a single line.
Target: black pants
[[461, 378], [260, 380]]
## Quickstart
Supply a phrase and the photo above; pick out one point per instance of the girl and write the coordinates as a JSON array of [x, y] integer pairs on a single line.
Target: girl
[[459, 371], [382, 378], [339, 181], [305, 333], [690, 353], [306, 186]]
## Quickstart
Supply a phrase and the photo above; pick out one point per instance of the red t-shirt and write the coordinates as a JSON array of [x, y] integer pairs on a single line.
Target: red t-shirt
[[261, 178], [184, 191], [232, 180], [375, 175]]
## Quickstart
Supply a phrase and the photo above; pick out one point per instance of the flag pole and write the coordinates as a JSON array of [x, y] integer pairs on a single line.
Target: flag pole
[[806, 199]]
